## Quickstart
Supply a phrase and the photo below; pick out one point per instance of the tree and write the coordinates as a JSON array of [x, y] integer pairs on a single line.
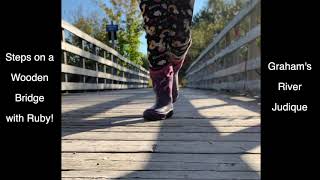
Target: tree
[[145, 62], [91, 24], [210, 20], [126, 14]]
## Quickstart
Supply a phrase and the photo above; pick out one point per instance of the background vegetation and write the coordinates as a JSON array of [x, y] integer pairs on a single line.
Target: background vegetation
[[126, 13]]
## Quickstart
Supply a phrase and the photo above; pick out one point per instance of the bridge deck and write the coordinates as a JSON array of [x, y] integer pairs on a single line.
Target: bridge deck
[[211, 136]]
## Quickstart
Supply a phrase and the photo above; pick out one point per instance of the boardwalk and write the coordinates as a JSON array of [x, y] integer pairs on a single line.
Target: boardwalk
[[211, 136]]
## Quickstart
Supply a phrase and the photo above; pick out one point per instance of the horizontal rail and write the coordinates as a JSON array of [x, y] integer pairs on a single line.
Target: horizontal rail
[[86, 86], [244, 12], [251, 35], [80, 52], [235, 69], [251, 85], [232, 61], [87, 72], [89, 64], [79, 33]]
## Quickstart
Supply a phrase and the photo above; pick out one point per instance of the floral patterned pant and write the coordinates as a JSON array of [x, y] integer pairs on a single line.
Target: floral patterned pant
[[167, 25]]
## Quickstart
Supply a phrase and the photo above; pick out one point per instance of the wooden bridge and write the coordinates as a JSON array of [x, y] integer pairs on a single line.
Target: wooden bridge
[[210, 136]]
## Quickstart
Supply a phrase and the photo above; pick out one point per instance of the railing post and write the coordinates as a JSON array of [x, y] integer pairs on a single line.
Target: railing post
[[97, 70], [217, 68], [77, 67]]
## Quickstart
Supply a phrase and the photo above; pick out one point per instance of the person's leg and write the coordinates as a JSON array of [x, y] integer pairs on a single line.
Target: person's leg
[[155, 15], [168, 29], [180, 19]]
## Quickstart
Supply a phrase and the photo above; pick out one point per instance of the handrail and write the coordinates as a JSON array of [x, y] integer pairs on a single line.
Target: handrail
[[232, 61], [84, 69], [245, 11]]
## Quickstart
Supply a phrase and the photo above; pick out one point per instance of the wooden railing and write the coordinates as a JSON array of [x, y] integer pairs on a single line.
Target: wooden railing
[[232, 61], [89, 64]]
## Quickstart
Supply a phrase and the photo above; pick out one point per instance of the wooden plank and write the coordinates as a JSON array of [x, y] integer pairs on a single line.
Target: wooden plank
[[160, 146], [160, 161], [213, 175], [155, 166], [230, 122], [210, 137], [181, 120], [166, 157], [133, 108], [103, 178], [114, 136], [146, 104], [183, 129], [138, 113]]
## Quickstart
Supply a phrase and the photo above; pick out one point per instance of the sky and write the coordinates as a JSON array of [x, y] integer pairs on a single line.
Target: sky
[[88, 6]]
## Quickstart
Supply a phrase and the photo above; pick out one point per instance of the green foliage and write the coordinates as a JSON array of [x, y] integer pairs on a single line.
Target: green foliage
[[91, 24], [145, 62], [208, 23], [126, 14], [205, 26]]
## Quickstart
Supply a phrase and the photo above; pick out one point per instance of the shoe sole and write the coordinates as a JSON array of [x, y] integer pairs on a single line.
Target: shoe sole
[[168, 115]]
